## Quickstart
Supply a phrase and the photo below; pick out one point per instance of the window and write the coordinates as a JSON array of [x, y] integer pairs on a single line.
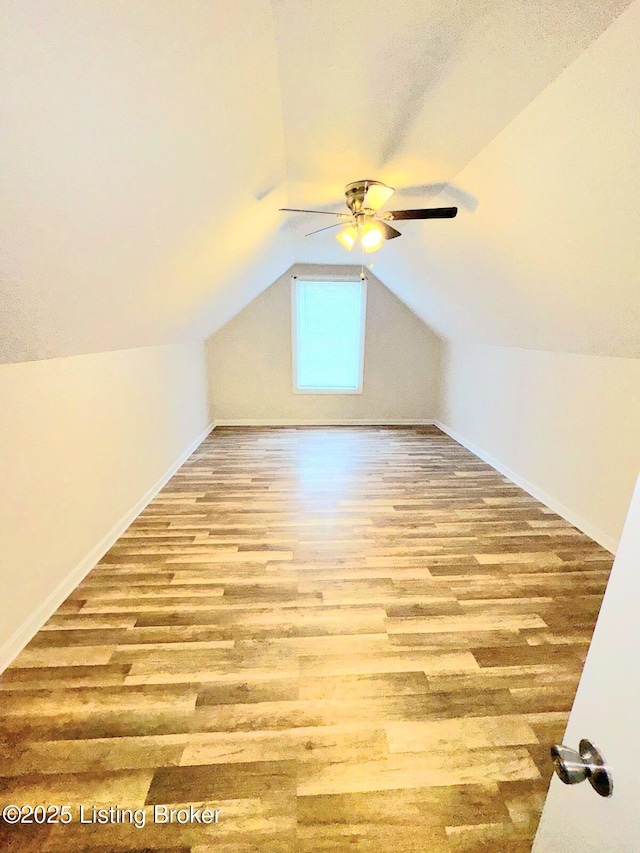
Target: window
[[328, 323]]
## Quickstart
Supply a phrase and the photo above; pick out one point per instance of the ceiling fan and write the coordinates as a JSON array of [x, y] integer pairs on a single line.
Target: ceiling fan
[[365, 224]]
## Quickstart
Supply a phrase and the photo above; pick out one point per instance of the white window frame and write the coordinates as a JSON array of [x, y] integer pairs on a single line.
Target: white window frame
[[294, 332]]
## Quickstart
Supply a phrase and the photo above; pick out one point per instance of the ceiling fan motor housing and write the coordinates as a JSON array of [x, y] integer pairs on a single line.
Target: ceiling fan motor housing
[[356, 192]]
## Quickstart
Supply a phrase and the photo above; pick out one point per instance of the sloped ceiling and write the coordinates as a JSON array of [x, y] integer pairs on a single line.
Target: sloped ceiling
[[140, 140], [148, 145], [550, 257]]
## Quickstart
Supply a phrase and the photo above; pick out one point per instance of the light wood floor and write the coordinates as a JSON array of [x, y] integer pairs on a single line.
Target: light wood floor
[[344, 639]]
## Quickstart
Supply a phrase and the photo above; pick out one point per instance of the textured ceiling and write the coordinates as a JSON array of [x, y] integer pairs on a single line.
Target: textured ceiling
[[147, 147], [138, 140], [547, 256], [411, 97]]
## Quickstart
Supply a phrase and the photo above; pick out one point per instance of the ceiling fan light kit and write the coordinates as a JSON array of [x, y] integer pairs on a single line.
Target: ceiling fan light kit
[[348, 236], [364, 225], [371, 237]]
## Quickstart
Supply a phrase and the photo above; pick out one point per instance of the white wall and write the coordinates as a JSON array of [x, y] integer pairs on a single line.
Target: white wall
[[251, 370], [565, 426], [82, 441]]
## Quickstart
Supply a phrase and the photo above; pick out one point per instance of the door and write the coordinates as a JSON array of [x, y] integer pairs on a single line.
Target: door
[[606, 711]]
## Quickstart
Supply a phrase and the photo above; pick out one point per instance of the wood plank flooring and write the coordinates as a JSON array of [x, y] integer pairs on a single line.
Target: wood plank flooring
[[343, 639]]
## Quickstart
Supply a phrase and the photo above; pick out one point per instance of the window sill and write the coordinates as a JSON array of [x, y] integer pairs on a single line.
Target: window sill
[[334, 391]]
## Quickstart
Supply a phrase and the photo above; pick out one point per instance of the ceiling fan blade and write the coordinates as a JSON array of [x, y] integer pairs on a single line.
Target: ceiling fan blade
[[327, 212], [336, 225], [422, 213], [388, 232]]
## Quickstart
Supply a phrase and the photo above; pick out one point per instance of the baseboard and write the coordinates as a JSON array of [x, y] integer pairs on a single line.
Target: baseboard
[[539, 494], [277, 422], [19, 639]]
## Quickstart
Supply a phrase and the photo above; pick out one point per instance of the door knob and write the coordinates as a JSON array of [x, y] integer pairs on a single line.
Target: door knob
[[588, 763]]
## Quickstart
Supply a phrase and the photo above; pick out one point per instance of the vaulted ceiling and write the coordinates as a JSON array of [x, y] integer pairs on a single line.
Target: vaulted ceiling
[[148, 145]]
